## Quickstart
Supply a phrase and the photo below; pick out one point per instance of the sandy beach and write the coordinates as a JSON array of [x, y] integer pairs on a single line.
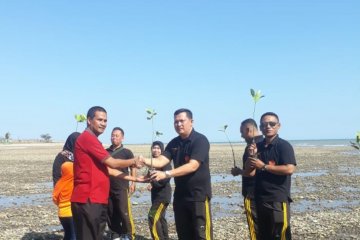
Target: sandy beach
[[325, 190]]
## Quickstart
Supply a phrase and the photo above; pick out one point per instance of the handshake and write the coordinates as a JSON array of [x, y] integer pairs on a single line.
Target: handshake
[[139, 162], [153, 175]]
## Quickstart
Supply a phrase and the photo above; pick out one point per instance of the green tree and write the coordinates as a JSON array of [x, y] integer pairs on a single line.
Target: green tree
[[46, 137], [7, 137]]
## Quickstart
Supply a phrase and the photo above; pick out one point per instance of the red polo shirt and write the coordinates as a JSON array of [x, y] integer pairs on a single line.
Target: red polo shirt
[[91, 177]]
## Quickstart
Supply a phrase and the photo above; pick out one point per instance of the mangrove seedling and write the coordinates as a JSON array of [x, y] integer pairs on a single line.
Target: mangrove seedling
[[356, 144], [151, 114], [232, 149], [256, 96], [79, 119]]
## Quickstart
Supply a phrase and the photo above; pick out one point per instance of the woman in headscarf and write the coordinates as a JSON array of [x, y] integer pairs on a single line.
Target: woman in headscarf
[[67, 154], [63, 177]]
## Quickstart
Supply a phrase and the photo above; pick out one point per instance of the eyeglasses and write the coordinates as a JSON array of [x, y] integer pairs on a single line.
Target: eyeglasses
[[265, 124]]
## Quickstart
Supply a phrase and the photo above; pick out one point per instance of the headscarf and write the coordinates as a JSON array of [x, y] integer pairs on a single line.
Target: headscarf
[[70, 142], [68, 149]]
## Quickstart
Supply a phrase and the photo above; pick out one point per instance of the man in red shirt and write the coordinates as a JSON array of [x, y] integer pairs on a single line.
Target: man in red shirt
[[91, 178]]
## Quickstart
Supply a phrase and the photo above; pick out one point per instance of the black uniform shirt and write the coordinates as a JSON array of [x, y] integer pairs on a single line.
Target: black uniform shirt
[[122, 153], [161, 190], [195, 186], [271, 187], [248, 183]]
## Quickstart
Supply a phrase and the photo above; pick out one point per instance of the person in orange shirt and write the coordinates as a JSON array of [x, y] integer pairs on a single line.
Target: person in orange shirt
[[61, 197], [63, 176]]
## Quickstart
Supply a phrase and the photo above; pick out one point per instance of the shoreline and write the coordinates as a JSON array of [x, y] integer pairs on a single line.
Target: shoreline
[[325, 193]]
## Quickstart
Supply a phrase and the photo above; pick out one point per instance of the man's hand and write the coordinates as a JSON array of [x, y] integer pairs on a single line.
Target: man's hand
[[235, 171], [157, 175], [256, 163], [143, 179], [139, 162], [132, 187], [252, 150]]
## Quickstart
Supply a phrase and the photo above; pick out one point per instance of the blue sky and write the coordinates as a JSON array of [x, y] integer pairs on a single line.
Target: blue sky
[[59, 58]]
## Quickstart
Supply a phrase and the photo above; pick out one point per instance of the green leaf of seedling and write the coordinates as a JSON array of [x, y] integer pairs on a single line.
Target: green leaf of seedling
[[223, 128], [149, 111], [257, 96], [80, 117], [252, 91], [157, 133], [358, 137]]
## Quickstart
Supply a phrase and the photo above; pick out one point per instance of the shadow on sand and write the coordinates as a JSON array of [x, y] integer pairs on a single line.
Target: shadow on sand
[[42, 236]]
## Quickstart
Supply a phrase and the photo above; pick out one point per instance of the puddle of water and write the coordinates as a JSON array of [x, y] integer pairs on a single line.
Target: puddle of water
[[310, 174], [353, 171], [220, 178], [319, 205], [31, 199]]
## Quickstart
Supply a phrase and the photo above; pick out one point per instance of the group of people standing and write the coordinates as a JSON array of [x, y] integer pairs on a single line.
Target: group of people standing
[[93, 188], [268, 163]]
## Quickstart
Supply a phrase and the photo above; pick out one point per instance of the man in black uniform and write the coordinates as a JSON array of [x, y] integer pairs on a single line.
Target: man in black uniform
[[120, 219], [160, 199], [190, 154], [273, 169], [249, 131]]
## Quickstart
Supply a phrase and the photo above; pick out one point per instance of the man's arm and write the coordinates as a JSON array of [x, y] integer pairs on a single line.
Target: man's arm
[[185, 169], [119, 174], [132, 186], [158, 162], [115, 163], [286, 169]]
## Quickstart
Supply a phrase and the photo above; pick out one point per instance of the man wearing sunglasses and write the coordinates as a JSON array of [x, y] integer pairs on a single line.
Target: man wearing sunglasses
[[273, 165]]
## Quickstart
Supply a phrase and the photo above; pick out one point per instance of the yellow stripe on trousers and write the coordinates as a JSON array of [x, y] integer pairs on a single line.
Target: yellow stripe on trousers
[[131, 217], [156, 219], [208, 220], [250, 219], [283, 231]]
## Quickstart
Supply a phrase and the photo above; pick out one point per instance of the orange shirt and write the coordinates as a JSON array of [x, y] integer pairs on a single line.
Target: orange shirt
[[63, 190]]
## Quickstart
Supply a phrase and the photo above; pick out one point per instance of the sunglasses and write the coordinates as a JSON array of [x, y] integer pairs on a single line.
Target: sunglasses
[[265, 124]]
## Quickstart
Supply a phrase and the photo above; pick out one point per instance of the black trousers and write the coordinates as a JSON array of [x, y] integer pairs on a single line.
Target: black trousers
[[89, 220], [193, 220], [251, 216], [273, 220], [120, 219], [68, 226], [157, 221]]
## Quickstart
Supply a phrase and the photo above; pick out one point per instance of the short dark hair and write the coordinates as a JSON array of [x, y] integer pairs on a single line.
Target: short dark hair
[[158, 143], [185, 110], [120, 129], [92, 110], [270, 114], [250, 121]]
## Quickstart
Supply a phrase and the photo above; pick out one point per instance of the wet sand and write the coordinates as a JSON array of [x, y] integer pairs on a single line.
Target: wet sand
[[325, 190]]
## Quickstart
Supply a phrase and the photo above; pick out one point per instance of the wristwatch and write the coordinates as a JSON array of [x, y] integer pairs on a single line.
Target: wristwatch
[[263, 168], [167, 174]]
